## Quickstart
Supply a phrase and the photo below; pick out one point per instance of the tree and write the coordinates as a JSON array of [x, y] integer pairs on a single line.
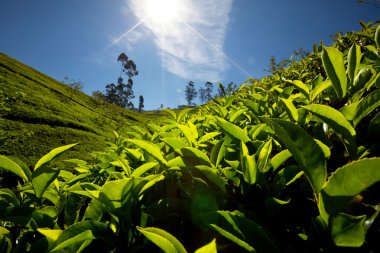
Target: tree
[[205, 94], [77, 85], [190, 92], [141, 103], [202, 95], [122, 94], [223, 91], [209, 88]]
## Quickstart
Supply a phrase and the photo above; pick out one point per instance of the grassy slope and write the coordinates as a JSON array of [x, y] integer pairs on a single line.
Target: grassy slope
[[48, 114]]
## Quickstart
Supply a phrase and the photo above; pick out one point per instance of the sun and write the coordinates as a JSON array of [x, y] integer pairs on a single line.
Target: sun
[[163, 11]]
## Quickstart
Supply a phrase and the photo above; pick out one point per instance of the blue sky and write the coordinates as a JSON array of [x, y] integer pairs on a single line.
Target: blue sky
[[204, 40]]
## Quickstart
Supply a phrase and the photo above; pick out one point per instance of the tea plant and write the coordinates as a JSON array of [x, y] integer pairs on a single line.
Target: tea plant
[[286, 164]]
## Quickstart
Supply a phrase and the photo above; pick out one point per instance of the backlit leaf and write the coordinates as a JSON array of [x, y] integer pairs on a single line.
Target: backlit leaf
[[304, 149], [354, 58], [233, 130], [150, 148], [50, 156], [9, 165], [164, 240], [348, 181], [333, 63], [366, 106]]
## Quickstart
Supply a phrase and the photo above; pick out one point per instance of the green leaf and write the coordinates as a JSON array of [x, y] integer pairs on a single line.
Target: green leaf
[[183, 113], [42, 178], [326, 150], [150, 148], [124, 165], [175, 143], [304, 149], [236, 114], [346, 182], [188, 133], [164, 240], [208, 136], [244, 232], [303, 88], [213, 175], [348, 231], [333, 63], [354, 58], [193, 156], [319, 88], [114, 194], [377, 36], [170, 112], [8, 198], [82, 231], [248, 164], [6, 241], [9, 165], [233, 130], [208, 248], [233, 238], [337, 122], [361, 79], [263, 156], [291, 110], [143, 168], [366, 106], [280, 158], [52, 154]]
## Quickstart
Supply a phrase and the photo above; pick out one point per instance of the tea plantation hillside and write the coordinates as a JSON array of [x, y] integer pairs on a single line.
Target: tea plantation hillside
[[289, 163], [38, 113]]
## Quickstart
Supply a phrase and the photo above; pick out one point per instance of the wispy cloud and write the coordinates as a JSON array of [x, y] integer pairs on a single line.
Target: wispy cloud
[[191, 46]]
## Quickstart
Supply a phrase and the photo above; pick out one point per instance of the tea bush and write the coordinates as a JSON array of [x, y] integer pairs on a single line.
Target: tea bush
[[286, 164]]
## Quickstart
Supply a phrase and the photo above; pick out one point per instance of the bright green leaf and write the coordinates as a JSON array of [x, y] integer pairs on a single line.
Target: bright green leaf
[[291, 110], [354, 58], [50, 156], [143, 168], [348, 231], [9, 165], [164, 240], [346, 182], [233, 130], [304, 150], [208, 248], [333, 63], [319, 89], [150, 148], [337, 122], [366, 106]]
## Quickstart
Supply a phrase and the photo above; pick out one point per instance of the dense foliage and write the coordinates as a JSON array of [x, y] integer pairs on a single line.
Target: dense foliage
[[38, 113], [286, 164]]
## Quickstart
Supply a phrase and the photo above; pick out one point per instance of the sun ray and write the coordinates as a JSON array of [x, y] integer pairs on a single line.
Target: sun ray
[[116, 41], [215, 47]]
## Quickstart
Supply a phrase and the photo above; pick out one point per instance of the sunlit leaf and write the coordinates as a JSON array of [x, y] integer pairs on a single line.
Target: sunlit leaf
[[50, 156], [346, 182], [9, 165], [354, 58], [208, 248], [164, 240], [150, 148], [348, 231], [366, 106], [304, 150], [233, 130], [333, 63]]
